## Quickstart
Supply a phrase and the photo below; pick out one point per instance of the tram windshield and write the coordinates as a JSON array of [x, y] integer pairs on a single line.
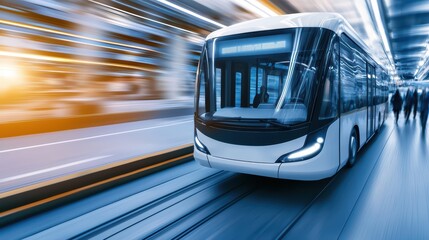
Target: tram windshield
[[264, 78]]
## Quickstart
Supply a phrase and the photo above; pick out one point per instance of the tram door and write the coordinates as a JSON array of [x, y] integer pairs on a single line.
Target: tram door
[[273, 86], [371, 104], [240, 86]]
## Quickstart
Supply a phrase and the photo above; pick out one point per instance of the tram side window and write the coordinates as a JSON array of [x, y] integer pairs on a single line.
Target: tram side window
[[386, 86], [375, 94], [378, 90], [375, 90], [361, 80], [353, 76], [381, 86], [348, 82], [330, 93]]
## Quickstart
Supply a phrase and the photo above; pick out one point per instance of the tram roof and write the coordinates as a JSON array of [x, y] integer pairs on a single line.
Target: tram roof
[[332, 21]]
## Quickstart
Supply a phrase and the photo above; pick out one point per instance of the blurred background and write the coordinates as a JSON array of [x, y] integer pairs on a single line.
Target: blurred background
[[83, 57], [93, 83]]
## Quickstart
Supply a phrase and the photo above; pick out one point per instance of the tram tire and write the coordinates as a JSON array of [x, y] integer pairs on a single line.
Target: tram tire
[[353, 147]]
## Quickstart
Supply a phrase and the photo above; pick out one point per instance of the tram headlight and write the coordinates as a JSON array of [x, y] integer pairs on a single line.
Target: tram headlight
[[200, 146], [313, 145], [304, 153]]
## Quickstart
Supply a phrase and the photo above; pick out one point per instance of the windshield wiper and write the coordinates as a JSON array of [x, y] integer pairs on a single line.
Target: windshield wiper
[[271, 121]]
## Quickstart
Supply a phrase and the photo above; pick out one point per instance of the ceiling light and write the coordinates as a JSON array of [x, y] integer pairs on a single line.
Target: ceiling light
[[381, 29], [191, 13], [262, 7], [256, 7]]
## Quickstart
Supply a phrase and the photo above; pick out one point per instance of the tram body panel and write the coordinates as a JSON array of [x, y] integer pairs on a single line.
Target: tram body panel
[[257, 154], [258, 161], [323, 165]]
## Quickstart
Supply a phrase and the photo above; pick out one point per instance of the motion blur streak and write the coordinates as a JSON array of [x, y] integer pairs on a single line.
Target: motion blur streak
[[78, 42], [191, 13], [72, 35], [9, 75], [65, 60], [139, 16]]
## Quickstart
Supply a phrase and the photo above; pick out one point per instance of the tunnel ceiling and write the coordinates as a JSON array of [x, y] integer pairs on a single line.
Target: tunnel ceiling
[[406, 24], [152, 23]]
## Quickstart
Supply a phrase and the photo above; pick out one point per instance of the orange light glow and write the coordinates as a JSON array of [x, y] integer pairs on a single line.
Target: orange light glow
[[10, 75], [66, 60]]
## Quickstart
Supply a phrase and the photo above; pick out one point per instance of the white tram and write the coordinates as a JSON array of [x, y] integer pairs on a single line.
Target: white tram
[[291, 97]]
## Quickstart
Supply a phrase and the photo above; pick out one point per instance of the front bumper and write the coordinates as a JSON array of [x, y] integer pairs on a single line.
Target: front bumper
[[315, 168]]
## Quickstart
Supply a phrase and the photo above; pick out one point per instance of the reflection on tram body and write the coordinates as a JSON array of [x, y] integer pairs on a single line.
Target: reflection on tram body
[[268, 101]]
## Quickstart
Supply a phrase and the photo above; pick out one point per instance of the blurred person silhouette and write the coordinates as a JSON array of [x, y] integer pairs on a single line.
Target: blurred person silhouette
[[415, 102], [397, 104], [261, 97], [408, 105], [424, 105]]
